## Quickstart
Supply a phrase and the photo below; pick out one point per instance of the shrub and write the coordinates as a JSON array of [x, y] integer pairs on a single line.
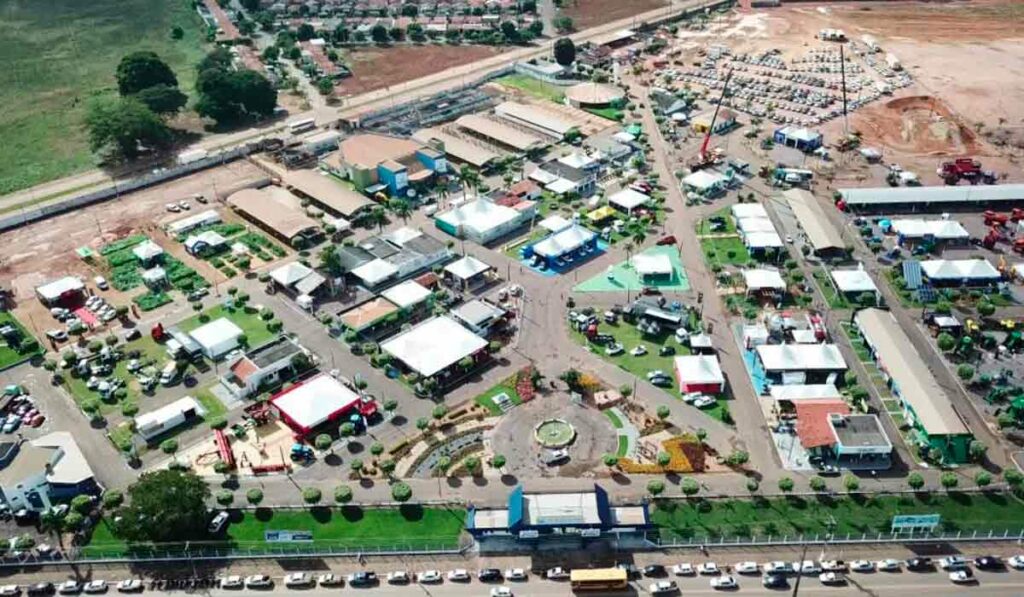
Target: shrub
[[311, 495], [169, 446], [129, 409], [949, 480], [217, 422], [915, 480], [225, 497], [655, 487], [342, 494], [965, 371], [401, 492], [786, 484], [254, 496], [983, 479], [112, 498], [817, 483]]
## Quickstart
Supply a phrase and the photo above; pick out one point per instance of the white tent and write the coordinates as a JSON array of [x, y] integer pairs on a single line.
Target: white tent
[[960, 269], [466, 268], [762, 240], [752, 225], [147, 250], [853, 280], [434, 345], [217, 338], [290, 273], [763, 279], [652, 264], [748, 210], [628, 199], [801, 357], [555, 223], [566, 241], [703, 181], [407, 294], [374, 272]]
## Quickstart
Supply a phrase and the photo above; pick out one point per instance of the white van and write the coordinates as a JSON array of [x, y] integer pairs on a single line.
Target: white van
[[169, 373]]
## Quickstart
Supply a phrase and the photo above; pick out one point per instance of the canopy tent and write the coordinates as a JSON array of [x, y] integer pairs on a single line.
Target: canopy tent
[[652, 264], [566, 241]]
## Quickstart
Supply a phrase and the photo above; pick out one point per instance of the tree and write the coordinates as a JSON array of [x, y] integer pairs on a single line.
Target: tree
[[949, 480], [563, 24], [663, 412], [254, 496], [305, 32], [82, 504], [655, 487], [571, 377], [946, 342], [169, 446], [986, 308], [915, 480], [225, 497], [983, 479], [401, 208], [342, 494], [387, 466], [536, 28], [439, 412], [976, 450], [346, 429], [141, 70], [396, 33], [377, 217], [325, 86], [737, 458], [112, 498], [422, 423], [123, 126], [311, 495], [610, 460], [73, 521], [786, 484], [817, 484], [851, 483], [390, 405], [162, 99], [356, 465], [250, 5], [323, 442], [752, 485], [472, 464], [177, 32], [229, 95], [271, 54], [379, 34], [702, 434], [401, 492], [341, 34], [415, 32], [664, 458], [965, 371], [376, 448], [1013, 477], [509, 30], [164, 506], [443, 462], [498, 461], [689, 486]]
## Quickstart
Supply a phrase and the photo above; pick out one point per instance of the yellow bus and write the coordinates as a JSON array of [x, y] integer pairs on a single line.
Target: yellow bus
[[598, 579]]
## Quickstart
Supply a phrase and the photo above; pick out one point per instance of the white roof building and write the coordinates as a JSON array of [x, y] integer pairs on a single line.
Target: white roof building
[[154, 275], [374, 272], [147, 250], [217, 338], [763, 279], [167, 417], [700, 369], [290, 273], [466, 268], [198, 220], [481, 220], [560, 186], [53, 291], [566, 241], [940, 229], [853, 280], [652, 264], [434, 345], [801, 357], [407, 294], [960, 269], [578, 160], [628, 199], [555, 223], [762, 240], [748, 210], [752, 225], [703, 181], [315, 401], [796, 392]]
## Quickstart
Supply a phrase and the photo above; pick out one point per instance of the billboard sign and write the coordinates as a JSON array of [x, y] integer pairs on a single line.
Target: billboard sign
[[288, 536], [915, 522]]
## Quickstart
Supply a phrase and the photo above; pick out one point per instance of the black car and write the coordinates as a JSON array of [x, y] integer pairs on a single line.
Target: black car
[[489, 574], [774, 581], [655, 570], [919, 564], [41, 588], [362, 578], [988, 563]]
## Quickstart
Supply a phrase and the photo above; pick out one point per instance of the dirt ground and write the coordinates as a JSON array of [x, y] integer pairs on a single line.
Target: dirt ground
[[589, 13], [44, 251], [378, 68]]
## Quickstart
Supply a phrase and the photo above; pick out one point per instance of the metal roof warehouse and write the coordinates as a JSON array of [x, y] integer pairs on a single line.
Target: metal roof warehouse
[[922, 198]]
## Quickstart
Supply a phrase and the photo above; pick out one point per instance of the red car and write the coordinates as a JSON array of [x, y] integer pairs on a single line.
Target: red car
[[667, 240]]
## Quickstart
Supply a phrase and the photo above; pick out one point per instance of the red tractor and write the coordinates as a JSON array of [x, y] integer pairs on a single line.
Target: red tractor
[[1018, 245], [995, 235], [995, 219], [1017, 214], [964, 169]]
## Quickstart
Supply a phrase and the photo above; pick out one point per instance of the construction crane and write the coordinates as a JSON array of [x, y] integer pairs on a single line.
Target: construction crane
[[704, 159]]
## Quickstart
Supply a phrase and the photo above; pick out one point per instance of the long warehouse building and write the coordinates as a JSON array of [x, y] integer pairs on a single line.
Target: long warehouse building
[[923, 199], [926, 406]]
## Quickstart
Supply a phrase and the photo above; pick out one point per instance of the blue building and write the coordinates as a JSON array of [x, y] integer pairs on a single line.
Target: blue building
[[534, 517], [799, 138]]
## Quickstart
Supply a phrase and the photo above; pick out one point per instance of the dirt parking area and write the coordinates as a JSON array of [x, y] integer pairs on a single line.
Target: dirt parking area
[[378, 68], [589, 13], [44, 251]]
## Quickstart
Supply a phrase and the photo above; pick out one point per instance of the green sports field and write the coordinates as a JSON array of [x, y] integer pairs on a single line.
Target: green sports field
[[57, 55]]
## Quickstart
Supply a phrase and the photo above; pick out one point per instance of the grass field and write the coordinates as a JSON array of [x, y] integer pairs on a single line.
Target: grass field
[[793, 516], [486, 399], [349, 526], [728, 250], [254, 328], [57, 56], [28, 348], [534, 87]]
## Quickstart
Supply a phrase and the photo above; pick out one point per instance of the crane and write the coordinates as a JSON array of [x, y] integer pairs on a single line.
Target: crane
[[703, 158]]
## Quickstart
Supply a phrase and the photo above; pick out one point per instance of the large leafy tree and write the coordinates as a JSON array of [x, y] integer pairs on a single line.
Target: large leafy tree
[[141, 70], [123, 125], [565, 51], [228, 95], [164, 506], [162, 99]]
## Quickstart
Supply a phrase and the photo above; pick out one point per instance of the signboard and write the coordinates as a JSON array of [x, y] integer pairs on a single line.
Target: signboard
[[915, 522], [590, 532], [288, 536]]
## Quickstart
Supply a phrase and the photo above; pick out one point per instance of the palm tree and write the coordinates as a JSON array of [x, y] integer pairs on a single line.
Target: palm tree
[[378, 217], [638, 235], [401, 208], [629, 246], [470, 178]]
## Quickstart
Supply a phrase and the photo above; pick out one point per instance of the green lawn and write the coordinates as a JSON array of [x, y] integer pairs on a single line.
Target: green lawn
[[623, 447], [729, 250], [704, 226], [833, 298], [57, 56], [214, 407], [534, 87], [246, 318], [149, 350], [28, 346], [610, 113], [614, 418], [486, 399], [731, 518], [349, 526]]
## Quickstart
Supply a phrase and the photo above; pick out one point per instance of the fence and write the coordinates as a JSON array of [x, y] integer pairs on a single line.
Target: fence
[[30, 215], [848, 539]]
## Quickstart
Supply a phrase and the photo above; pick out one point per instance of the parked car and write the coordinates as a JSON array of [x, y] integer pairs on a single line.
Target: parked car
[[556, 573], [654, 570], [57, 335], [889, 565], [298, 579], [41, 588], [10, 590], [330, 580], [458, 575], [862, 566], [1016, 562], [707, 568], [919, 564], [747, 568], [807, 567], [639, 350], [232, 582], [515, 574], [488, 574], [69, 587], [258, 581], [429, 576], [774, 581], [614, 349], [952, 563], [172, 207], [832, 578], [833, 566], [667, 240], [684, 569], [724, 582], [129, 585], [101, 283], [962, 576], [988, 563], [217, 522], [662, 587], [501, 592], [778, 567], [95, 586]]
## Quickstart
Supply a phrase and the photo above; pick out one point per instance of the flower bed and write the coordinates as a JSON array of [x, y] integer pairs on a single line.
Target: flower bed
[[686, 453]]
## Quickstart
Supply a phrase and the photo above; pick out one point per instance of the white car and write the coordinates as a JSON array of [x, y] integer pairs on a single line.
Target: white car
[[1016, 562], [101, 283], [501, 592], [833, 566], [459, 574], [69, 587], [258, 581], [329, 580], [515, 574], [429, 576], [231, 582], [707, 568], [831, 578], [961, 576], [614, 349], [10, 590], [685, 569], [777, 568], [298, 579], [95, 586], [662, 586], [862, 566], [747, 568], [638, 350], [556, 573], [129, 585], [807, 567], [953, 563], [172, 207], [398, 577], [889, 565], [704, 401], [724, 582], [184, 205]]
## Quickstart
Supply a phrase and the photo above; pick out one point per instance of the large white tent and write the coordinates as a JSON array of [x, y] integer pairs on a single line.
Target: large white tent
[[433, 345]]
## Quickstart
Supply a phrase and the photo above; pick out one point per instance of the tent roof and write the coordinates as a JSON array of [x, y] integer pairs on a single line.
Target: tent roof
[[760, 240], [374, 272], [563, 242], [290, 273], [695, 369], [703, 179], [940, 229], [748, 210], [853, 280], [315, 400], [800, 357], [652, 264], [752, 225], [763, 278], [54, 290], [960, 269], [555, 223], [218, 331], [467, 267], [629, 199], [406, 294], [434, 345]]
